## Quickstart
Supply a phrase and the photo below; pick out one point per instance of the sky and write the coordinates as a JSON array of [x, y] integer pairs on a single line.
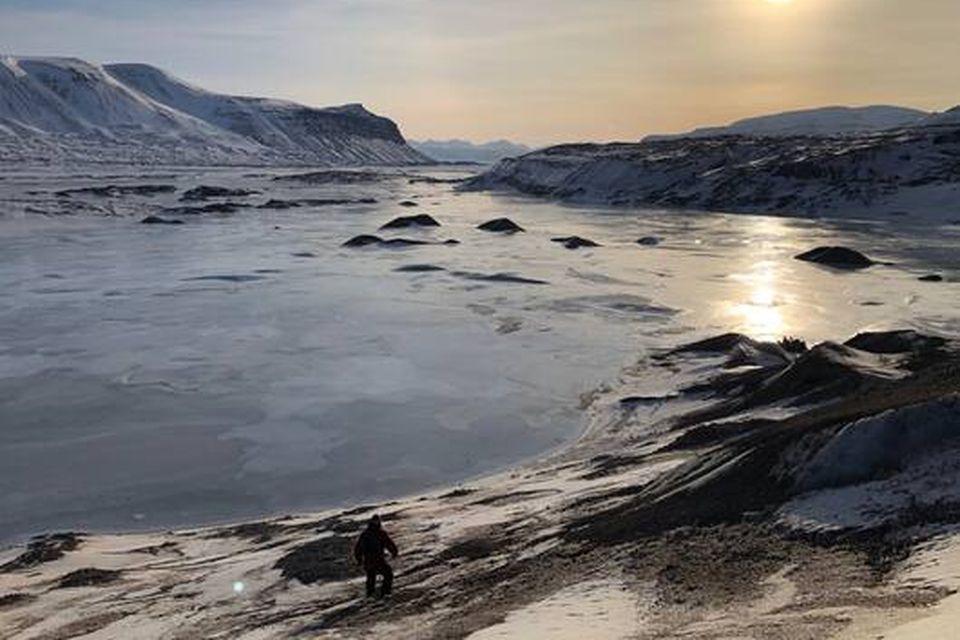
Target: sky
[[534, 71]]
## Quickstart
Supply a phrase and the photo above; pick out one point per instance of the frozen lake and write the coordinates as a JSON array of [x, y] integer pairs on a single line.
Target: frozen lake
[[246, 364]]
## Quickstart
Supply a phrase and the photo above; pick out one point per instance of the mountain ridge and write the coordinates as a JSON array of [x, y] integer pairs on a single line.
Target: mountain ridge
[[900, 172], [816, 121], [60, 108]]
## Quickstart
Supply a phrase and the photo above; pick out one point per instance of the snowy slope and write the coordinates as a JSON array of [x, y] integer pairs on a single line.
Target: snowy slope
[[823, 121], [912, 171], [64, 108]]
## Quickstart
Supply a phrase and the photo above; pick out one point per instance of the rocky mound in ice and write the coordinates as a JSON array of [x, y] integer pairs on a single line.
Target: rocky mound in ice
[[908, 171], [64, 108]]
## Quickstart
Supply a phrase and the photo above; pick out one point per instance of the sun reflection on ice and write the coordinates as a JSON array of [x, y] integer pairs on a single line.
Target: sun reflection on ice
[[759, 309]]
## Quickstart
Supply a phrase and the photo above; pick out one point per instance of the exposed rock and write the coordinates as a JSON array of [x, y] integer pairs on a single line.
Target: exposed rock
[[575, 242], [336, 176], [723, 343], [894, 342], [367, 240], [159, 220], [304, 254], [419, 268], [44, 548], [432, 180], [276, 203], [837, 257], [933, 277], [87, 578], [14, 599], [405, 222], [326, 559], [257, 532], [213, 207], [791, 344], [363, 241], [116, 191], [409, 203], [230, 277], [204, 192], [649, 241], [501, 225], [497, 277], [828, 370]]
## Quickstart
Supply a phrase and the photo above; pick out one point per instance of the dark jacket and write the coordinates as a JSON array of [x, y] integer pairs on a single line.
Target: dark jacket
[[370, 548]]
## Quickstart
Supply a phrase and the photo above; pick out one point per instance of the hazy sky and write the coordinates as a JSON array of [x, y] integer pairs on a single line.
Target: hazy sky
[[531, 70]]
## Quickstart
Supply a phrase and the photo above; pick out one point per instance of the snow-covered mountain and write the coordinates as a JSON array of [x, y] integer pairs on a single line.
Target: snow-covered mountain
[[64, 108], [823, 121], [908, 171], [465, 151]]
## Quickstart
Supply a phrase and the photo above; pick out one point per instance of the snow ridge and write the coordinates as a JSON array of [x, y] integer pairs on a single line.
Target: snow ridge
[[911, 171]]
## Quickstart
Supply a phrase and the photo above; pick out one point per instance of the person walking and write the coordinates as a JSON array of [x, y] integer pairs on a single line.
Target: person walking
[[370, 553]]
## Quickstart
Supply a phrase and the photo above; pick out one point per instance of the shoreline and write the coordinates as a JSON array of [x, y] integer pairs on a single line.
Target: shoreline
[[644, 503]]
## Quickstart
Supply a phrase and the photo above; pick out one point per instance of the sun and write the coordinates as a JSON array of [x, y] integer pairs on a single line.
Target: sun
[[779, 2]]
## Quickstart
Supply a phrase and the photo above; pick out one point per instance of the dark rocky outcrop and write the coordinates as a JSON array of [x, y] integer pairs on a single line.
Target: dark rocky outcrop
[[278, 203], [723, 343], [87, 578], [15, 599], [933, 277], [409, 204], [418, 268], [326, 559], [116, 191], [405, 222], [649, 241], [213, 207], [895, 342], [367, 240], [159, 220], [336, 176], [229, 277], [837, 257], [501, 225], [575, 242], [203, 192], [498, 277], [44, 548]]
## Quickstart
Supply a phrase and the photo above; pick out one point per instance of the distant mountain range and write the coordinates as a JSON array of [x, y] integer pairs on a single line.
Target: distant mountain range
[[823, 121], [54, 109], [464, 151], [834, 162]]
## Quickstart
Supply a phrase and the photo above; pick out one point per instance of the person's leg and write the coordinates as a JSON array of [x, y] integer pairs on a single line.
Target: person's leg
[[371, 582], [387, 579]]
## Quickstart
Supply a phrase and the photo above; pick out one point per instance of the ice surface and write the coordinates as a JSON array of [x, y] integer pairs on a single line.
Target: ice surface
[[135, 395]]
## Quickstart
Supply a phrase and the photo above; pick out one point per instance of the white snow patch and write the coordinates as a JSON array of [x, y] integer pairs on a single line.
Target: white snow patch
[[599, 610]]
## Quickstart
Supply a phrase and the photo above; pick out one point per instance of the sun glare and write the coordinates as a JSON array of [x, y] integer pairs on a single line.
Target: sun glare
[[780, 2]]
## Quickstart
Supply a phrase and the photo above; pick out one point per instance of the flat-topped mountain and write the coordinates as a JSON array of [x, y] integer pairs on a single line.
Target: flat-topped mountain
[[821, 121], [65, 108]]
